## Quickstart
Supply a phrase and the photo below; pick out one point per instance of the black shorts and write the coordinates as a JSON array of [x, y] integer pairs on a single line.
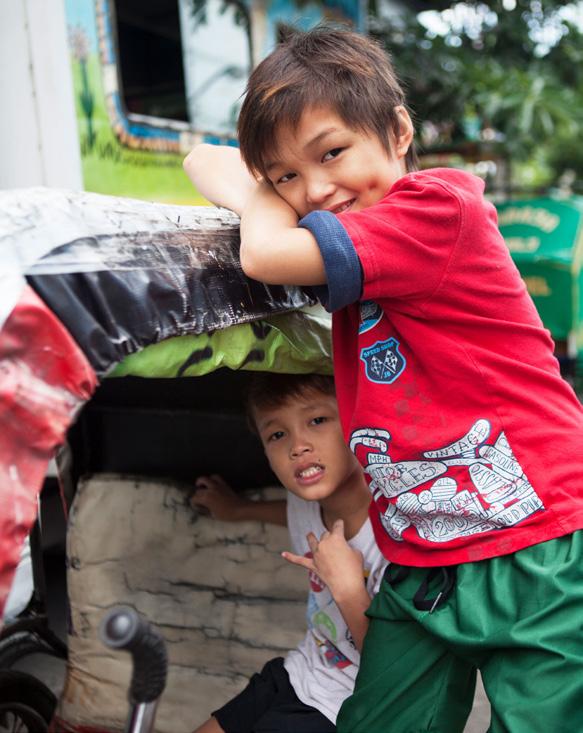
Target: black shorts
[[269, 705]]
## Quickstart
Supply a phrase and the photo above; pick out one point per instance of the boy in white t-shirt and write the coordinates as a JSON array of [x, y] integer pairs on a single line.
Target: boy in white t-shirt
[[296, 418]]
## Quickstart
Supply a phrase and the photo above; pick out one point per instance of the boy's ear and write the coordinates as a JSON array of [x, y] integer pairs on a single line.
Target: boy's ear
[[406, 132]]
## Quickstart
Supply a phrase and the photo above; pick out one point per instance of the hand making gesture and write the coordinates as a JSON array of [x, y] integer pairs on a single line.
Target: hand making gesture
[[340, 567]]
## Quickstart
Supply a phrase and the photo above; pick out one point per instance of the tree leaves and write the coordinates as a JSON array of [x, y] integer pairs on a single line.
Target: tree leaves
[[520, 70]]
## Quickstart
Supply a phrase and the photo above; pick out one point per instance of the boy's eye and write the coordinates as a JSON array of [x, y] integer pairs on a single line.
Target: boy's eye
[[318, 420], [334, 153], [275, 436], [286, 178]]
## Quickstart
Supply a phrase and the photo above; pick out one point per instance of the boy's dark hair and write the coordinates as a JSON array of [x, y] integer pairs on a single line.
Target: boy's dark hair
[[324, 66], [267, 391]]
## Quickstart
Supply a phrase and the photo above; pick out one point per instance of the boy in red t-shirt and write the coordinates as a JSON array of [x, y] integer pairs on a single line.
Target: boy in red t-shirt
[[448, 390]]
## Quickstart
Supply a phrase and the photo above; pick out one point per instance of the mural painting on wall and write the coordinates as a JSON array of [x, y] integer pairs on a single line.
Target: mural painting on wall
[[151, 80]]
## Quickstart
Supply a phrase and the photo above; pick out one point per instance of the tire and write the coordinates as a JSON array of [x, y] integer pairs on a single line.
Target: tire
[[26, 705], [21, 644]]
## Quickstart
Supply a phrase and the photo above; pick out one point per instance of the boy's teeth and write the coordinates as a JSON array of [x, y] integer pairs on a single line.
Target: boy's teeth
[[342, 208], [309, 472]]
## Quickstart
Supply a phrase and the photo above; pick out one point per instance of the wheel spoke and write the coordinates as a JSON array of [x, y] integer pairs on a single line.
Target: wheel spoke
[[17, 718]]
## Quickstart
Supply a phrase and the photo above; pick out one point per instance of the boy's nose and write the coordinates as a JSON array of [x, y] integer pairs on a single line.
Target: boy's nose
[[300, 447], [318, 191]]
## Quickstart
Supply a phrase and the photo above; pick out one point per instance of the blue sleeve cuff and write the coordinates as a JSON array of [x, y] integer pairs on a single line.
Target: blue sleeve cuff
[[343, 270]]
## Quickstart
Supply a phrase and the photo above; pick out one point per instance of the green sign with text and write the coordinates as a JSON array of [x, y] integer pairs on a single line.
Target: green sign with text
[[544, 236]]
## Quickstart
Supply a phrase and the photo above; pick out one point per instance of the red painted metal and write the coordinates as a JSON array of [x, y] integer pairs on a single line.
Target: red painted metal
[[44, 380]]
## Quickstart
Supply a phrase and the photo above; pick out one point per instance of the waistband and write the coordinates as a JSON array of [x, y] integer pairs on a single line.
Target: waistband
[[439, 581]]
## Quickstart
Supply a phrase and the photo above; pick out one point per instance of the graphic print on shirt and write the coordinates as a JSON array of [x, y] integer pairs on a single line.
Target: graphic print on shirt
[[474, 484], [370, 314], [323, 629], [383, 361], [315, 583]]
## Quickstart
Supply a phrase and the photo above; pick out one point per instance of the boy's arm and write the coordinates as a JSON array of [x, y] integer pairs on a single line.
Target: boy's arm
[[341, 568], [218, 498], [218, 172], [274, 249]]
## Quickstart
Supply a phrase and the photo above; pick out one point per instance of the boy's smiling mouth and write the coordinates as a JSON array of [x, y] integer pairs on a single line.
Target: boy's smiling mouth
[[344, 206]]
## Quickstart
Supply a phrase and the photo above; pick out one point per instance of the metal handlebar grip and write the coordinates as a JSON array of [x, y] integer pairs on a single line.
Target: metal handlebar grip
[[123, 628]]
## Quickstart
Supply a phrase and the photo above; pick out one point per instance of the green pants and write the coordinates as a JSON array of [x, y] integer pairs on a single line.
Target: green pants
[[517, 618]]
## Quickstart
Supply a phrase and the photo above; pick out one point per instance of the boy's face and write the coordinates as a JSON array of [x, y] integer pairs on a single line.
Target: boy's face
[[324, 164], [304, 445]]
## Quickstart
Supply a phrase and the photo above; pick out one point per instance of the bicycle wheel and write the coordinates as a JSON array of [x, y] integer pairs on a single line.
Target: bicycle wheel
[[26, 705]]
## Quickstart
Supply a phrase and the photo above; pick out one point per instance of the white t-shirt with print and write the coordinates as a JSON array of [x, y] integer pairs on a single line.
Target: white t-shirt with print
[[323, 668]]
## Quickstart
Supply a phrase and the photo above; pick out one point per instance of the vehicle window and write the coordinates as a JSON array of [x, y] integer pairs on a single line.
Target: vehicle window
[[185, 60], [151, 65]]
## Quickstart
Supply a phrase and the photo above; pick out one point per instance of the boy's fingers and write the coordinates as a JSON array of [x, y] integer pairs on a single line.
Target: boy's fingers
[[304, 562], [338, 527], [312, 541], [198, 500]]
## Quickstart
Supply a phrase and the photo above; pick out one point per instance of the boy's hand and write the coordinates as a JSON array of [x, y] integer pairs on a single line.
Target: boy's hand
[[215, 497], [218, 498], [341, 568], [218, 172], [337, 564], [274, 249]]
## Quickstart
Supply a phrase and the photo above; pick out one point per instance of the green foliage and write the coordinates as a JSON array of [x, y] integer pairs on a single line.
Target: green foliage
[[198, 11], [520, 71], [87, 102]]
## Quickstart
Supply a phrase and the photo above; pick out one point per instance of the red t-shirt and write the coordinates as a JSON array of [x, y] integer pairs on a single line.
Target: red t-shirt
[[448, 389]]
